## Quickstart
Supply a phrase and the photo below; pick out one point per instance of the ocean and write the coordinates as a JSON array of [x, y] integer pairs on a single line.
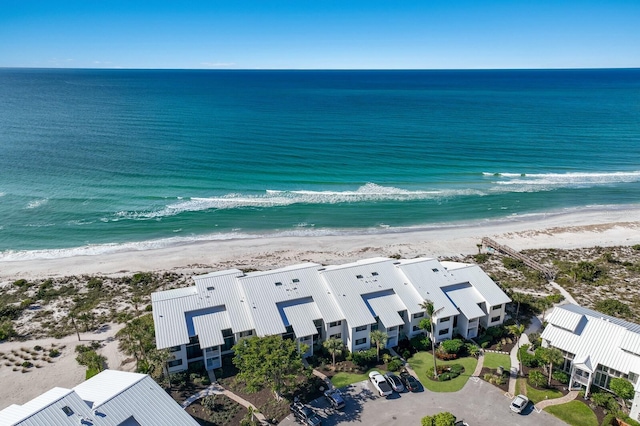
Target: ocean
[[93, 161]]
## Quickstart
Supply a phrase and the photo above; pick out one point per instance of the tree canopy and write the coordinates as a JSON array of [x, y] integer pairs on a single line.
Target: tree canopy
[[138, 339], [270, 362]]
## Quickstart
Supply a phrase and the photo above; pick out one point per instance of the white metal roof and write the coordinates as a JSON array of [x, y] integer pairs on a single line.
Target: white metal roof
[[255, 301], [209, 328], [464, 272], [301, 318], [386, 308], [566, 319], [107, 399], [466, 299], [216, 291], [291, 285], [597, 338], [428, 276]]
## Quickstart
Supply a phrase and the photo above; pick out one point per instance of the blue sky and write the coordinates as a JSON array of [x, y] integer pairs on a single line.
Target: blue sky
[[318, 34]]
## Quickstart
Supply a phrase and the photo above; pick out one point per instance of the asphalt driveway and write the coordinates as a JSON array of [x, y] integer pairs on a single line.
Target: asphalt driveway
[[478, 403]]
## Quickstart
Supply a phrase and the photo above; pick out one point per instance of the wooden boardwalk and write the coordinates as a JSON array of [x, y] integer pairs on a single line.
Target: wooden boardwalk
[[548, 272]]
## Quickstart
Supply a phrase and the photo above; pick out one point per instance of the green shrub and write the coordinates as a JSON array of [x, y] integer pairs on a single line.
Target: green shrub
[[511, 263], [527, 359], [421, 343], [608, 420], [395, 364], [452, 346], [561, 376], [537, 379], [54, 353], [604, 399], [364, 358]]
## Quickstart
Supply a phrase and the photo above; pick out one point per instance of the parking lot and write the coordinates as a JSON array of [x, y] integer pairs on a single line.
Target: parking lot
[[478, 403]]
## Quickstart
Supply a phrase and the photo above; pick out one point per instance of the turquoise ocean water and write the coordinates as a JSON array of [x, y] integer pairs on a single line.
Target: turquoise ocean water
[[94, 159]]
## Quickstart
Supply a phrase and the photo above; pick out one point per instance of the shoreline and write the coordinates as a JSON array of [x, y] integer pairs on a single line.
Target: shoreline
[[617, 225]]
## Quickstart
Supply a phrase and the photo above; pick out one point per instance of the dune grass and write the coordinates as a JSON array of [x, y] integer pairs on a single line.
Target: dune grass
[[575, 413], [493, 360], [421, 362]]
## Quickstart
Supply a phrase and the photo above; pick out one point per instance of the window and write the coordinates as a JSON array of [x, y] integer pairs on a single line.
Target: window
[[416, 328], [68, 411], [175, 363], [446, 319], [443, 332], [336, 336], [246, 333], [418, 315], [359, 276], [335, 323], [193, 348], [175, 348], [494, 319], [495, 308], [390, 329], [633, 377], [361, 328], [361, 341], [227, 335]]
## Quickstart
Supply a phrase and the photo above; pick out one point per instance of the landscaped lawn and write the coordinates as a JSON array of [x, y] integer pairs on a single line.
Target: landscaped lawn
[[421, 362], [575, 413], [537, 395], [493, 360], [343, 379]]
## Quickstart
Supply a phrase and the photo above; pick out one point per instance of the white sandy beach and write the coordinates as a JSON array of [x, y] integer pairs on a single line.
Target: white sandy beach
[[620, 226]]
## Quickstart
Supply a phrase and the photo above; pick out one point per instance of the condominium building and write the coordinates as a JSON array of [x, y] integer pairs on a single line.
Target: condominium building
[[311, 303]]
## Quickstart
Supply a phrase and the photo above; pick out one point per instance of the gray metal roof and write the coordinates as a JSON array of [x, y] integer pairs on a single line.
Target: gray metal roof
[[218, 291], [466, 298], [107, 399], [209, 328], [351, 283], [301, 318], [290, 285], [428, 276], [473, 274], [386, 308], [600, 338]]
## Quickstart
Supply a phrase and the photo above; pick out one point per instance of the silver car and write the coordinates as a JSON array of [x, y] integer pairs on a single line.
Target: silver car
[[395, 382], [519, 403]]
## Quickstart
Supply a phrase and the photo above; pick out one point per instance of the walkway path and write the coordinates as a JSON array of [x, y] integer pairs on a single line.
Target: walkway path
[[216, 389], [567, 296], [557, 401], [515, 365]]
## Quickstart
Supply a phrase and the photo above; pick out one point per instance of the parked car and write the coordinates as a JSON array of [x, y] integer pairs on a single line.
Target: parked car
[[395, 382], [304, 414], [379, 382], [519, 403], [461, 423], [410, 383], [335, 398]]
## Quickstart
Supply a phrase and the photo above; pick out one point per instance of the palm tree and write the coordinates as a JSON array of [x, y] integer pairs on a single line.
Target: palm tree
[[379, 338], [334, 346], [517, 331], [518, 298], [550, 356], [431, 311]]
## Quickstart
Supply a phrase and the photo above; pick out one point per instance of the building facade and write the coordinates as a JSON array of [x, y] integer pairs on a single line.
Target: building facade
[[596, 348], [311, 303]]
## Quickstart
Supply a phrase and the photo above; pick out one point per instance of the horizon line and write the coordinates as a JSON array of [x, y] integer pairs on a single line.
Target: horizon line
[[319, 69]]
